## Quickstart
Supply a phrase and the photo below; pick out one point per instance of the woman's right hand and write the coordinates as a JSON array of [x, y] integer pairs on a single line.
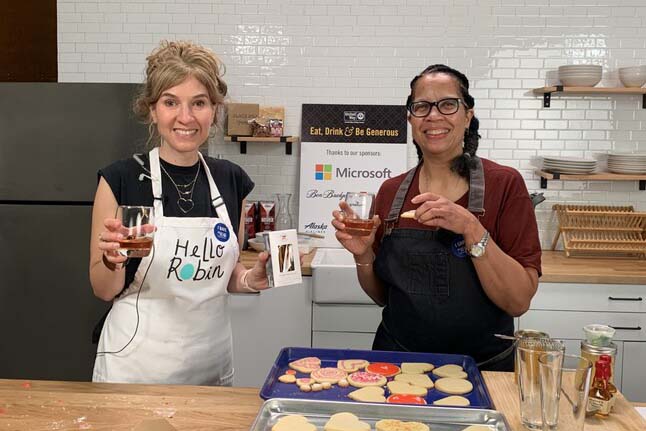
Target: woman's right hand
[[109, 240], [357, 245]]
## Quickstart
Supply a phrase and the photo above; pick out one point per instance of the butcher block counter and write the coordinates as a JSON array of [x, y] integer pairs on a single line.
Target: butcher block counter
[[557, 268], [49, 405]]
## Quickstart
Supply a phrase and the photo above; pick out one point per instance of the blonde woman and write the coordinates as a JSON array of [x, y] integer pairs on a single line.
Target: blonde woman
[[169, 321]]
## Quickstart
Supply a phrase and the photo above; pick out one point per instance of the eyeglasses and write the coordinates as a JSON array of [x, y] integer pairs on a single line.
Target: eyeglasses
[[446, 106]]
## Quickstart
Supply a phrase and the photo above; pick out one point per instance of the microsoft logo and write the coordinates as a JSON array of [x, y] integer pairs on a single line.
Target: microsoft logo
[[323, 172]]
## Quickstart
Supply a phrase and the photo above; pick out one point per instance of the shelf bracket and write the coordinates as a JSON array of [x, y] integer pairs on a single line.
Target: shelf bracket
[[547, 97], [543, 183], [288, 145], [644, 101], [642, 184], [243, 143]]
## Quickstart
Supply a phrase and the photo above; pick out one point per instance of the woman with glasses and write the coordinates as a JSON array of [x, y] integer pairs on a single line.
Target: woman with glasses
[[455, 253]]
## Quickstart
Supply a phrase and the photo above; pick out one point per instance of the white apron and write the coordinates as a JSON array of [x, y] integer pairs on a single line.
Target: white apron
[[184, 332]]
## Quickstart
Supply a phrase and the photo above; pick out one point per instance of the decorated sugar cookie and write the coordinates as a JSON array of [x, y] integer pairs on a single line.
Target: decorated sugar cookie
[[306, 365]]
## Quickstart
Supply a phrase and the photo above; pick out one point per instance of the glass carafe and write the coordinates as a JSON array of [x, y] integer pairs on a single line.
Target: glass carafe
[[283, 217]]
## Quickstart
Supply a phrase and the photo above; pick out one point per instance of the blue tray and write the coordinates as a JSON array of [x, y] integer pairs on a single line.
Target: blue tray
[[478, 397]]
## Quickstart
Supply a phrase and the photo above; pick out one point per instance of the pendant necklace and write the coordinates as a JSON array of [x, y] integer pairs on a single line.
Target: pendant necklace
[[185, 196]]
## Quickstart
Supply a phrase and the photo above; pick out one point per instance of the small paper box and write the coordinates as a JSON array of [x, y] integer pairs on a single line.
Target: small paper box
[[284, 264]]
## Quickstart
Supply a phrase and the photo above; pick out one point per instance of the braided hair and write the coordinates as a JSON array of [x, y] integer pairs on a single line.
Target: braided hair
[[463, 163]]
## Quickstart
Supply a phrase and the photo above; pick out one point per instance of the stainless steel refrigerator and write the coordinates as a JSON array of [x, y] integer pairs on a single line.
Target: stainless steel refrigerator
[[53, 139]]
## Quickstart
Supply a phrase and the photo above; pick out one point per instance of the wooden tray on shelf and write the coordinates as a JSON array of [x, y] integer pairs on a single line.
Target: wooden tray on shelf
[[596, 230]]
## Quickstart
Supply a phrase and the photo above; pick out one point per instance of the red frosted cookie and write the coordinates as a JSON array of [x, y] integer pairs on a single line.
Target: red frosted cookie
[[362, 379], [328, 374], [405, 399], [384, 368], [306, 365]]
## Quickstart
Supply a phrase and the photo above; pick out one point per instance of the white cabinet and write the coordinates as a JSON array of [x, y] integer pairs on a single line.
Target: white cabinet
[[562, 309], [634, 380], [344, 326], [265, 323]]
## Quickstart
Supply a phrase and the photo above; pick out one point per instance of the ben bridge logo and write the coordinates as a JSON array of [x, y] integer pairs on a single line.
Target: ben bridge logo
[[323, 172]]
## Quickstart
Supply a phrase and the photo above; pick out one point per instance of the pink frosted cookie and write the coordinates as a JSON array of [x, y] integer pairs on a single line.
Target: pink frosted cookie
[[362, 379], [352, 365], [306, 365], [328, 374]]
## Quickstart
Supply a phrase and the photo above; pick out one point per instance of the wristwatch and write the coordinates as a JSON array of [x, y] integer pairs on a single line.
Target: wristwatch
[[478, 249]]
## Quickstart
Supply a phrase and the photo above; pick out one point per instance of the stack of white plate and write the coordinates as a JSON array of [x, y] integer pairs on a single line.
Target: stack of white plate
[[627, 163], [569, 165], [580, 75]]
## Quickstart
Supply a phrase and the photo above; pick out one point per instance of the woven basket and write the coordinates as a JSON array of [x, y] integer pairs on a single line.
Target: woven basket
[[595, 230]]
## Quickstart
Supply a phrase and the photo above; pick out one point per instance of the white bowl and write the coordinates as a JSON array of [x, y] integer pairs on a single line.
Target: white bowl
[[580, 81], [633, 77]]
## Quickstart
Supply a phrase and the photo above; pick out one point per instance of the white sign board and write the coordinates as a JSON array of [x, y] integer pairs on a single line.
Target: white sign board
[[346, 148]]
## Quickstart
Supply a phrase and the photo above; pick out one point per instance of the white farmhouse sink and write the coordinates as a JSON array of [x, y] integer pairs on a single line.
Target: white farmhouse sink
[[334, 278]]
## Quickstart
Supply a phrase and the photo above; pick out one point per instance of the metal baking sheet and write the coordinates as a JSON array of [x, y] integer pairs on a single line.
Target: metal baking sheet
[[479, 397], [319, 412]]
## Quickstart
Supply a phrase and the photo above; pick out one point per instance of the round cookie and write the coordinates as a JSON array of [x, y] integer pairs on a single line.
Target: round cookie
[[450, 370], [287, 378], [361, 379], [328, 374], [406, 388], [397, 425], [453, 386], [453, 400], [386, 369]]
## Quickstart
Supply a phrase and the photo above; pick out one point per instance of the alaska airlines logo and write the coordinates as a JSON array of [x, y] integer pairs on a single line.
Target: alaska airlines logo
[[323, 172]]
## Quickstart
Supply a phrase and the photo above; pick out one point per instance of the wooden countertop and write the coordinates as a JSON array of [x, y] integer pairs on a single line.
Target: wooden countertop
[[557, 268], [48, 405]]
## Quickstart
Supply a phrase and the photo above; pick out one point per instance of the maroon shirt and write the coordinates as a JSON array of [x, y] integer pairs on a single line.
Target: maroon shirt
[[509, 213]]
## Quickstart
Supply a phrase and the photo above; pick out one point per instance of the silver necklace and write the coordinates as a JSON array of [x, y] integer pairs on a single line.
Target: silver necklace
[[185, 196]]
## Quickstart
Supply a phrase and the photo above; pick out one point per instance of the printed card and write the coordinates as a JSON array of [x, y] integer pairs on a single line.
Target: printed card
[[284, 264]]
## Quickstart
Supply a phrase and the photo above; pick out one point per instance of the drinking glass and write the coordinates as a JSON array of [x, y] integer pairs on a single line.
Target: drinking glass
[[138, 230], [528, 351], [565, 384], [358, 220]]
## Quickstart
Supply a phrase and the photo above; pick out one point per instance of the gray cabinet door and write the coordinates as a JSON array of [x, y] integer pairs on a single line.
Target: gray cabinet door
[[265, 323], [634, 378]]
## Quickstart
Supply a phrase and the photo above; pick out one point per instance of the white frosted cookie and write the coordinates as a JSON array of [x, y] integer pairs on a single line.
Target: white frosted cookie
[[405, 388], [328, 374], [345, 422], [397, 425], [351, 365], [453, 400], [453, 386], [369, 394], [416, 367], [421, 380], [306, 365], [362, 379], [293, 423], [450, 370]]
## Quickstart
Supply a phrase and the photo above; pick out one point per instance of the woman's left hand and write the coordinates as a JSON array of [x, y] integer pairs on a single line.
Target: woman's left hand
[[257, 277], [440, 212]]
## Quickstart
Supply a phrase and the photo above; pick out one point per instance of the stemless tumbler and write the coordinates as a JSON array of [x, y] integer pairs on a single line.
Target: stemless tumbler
[[138, 230]]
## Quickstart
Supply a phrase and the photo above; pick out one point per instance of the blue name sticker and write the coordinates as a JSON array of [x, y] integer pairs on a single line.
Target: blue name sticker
[[221, 232], [457, 247]]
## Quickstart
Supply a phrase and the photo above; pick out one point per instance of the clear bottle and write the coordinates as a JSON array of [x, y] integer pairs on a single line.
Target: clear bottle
[[599, 397], [283, 217]]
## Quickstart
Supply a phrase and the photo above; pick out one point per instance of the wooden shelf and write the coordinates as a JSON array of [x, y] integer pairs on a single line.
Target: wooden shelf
[[601, 176], [547, 92], [244, 139]]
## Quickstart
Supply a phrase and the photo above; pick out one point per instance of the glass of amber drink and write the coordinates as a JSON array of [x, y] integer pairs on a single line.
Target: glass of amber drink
[[138, 230], [358, 220]]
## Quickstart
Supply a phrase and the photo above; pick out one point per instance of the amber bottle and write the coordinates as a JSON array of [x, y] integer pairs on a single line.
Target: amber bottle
[[599, 397]]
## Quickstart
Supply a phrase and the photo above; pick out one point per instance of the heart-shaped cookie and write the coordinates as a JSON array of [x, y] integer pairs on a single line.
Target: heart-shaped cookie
[[450, 370], [416, 367], [369, 394], [397, 425], [351, 365], [421, 380], [306, 365], [398, 387], [293, 423], [345, 422]]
